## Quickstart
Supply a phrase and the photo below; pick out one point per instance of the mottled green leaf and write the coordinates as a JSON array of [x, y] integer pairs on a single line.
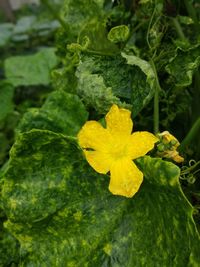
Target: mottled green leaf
[[32, 69], [77, 13], [61, 112], [102, 81], [62, 213], [96, 32], [143, 85], [118, 34], [4, 145], [9, 248], [6, 99], [183, 65], [92, 88]]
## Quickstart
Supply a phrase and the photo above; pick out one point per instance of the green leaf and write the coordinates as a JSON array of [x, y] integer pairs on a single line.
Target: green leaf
[[62, 213], [3, 147], [96, 87], [96, 32], [6, 99], [143, 85], [77, 13], [61, 112], [6, 30], [32, 69], [9, 248], [185, 20], [24, 25], [118, 34], [183, 65]]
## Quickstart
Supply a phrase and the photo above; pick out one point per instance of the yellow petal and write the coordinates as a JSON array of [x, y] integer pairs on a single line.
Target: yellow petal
[[126, 178], [174, 155], [140, 143], [178, 159], [93, 135], [99, 161], [119, 121]]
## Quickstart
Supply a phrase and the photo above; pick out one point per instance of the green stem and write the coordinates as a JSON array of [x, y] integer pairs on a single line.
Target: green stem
[[71, 138], [192, 13], [194, 131], [55, 14], [156, 99], [179, 29]]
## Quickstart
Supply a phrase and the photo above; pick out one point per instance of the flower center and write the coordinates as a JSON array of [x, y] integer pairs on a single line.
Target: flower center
[[119, 151]]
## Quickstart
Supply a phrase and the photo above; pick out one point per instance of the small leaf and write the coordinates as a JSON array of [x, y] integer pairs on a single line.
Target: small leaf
[[118, 34], [183, 65], [96, 33], [185, 20], [77, 13]]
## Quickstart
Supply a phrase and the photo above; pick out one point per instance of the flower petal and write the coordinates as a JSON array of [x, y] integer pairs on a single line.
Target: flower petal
[[140, 143], [93, 135], [126, 178], [119, 121], [100, 162]]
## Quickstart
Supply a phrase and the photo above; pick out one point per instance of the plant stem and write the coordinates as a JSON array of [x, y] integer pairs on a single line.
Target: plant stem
[[192, 13], [179, 29], [156, 99], [55, 14], [191, 135]]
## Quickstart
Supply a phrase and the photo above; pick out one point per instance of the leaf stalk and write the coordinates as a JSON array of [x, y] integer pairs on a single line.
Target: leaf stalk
[[156, 98]]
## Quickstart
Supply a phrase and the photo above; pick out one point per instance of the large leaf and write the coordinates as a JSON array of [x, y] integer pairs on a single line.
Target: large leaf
[[184, 64], [102, 81], [9, 248], [3, 147], [62, 213], [143, 85], [61, 112], [32, 69]]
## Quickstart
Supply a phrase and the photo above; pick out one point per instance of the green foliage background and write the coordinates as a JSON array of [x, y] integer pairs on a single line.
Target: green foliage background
[[67, 63]]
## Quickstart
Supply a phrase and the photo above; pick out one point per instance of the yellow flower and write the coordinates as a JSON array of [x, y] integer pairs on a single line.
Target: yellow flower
[[113, 149]]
